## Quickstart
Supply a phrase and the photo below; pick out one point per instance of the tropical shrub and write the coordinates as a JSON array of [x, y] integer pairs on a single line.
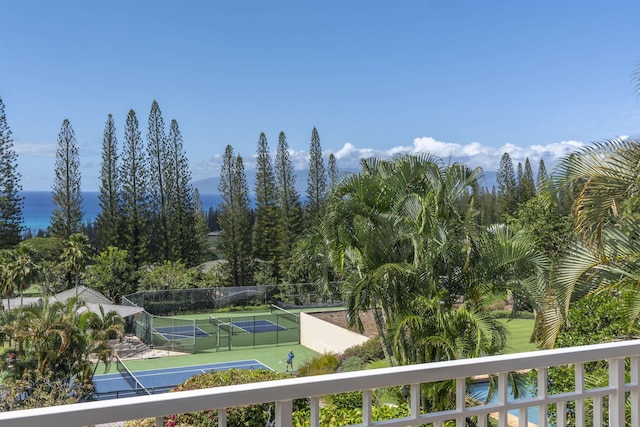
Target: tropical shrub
[[325, 364], [350, 364], [596, 318], [369, 351], [41, 392], [332, 416], [249, 416]]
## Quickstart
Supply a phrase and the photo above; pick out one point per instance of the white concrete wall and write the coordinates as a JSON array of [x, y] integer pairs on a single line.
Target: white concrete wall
[[325, 337]]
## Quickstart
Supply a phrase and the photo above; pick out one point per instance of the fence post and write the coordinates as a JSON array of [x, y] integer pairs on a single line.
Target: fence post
[[617, 397]]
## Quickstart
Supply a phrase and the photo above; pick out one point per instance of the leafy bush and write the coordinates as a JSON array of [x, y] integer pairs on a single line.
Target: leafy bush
[[325, 364], [248, 416], [496, 301], [337, 409], [41, 392], [508, 314], [351, 364], [369, 351], [595, 318], [349, 400], [331, 416]]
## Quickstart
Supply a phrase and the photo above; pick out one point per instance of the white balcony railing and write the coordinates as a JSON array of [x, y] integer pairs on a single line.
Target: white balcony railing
[[282, 392]]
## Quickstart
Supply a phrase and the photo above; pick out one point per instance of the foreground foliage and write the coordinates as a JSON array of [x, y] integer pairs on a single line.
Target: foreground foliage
[[56, 350], [604, 179], [250, 415], [597, 318], [404, 239], [336, 410]]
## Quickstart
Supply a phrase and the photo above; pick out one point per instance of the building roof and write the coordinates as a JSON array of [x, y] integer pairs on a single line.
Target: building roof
[[92, 298], [122, 310], [11, 303], [84, 293]]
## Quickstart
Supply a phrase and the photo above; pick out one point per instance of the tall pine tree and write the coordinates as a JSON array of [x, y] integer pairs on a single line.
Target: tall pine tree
[[519, 177], [186, 239], [265, 227], [488, 202], [67, 213], [10, 200], [290, 221], [234, 218], [158, 155], [317, 180], [527, 186], [333, 171], [134, 179], [507, 188], [542, 175], [108, 220]]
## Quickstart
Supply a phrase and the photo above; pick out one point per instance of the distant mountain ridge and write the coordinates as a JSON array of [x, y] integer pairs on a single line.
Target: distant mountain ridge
[[210, 185]]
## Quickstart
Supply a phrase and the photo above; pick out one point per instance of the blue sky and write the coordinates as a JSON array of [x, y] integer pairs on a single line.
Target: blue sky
[[464, 80]]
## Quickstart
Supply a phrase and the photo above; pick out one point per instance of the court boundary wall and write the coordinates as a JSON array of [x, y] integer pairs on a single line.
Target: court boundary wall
[[324, 337]]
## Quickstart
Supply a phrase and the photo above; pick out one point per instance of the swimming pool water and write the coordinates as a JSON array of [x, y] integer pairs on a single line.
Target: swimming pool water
[[480, 390]]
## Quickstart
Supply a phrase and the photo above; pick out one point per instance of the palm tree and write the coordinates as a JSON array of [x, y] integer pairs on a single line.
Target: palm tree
[[605, 180], [6, 283], [103, 327], [22, 270], [406, 230], [75, 256], [404, 237], [366, 238], [64, 335], [48, 333]]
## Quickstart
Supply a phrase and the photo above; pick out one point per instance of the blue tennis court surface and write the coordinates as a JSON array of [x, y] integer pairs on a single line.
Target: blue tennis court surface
[[179, 332], [259, 325], [111, 386]]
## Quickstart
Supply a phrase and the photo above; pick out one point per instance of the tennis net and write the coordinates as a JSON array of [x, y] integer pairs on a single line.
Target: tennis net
[[220, 325], [286, 314], [135, 384]]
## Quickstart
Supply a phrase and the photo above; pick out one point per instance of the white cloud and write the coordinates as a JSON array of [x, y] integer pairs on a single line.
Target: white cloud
[[474, 154], [34, 149], [36, 158]]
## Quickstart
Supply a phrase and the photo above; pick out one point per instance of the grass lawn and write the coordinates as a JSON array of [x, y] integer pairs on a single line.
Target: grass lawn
[[520, 330], [32, 291]]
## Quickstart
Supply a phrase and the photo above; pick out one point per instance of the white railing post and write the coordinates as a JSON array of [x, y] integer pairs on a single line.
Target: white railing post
[[542, 393], [315, 411], [503, 397], [367, 416], [578, 370], [284, 413], [597, 412], [635, 395], [415, 401], [617, 397], [561, 413], [461, 402]]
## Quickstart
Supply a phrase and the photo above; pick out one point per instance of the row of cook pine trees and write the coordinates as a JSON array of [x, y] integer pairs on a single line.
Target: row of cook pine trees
[[150, 210]]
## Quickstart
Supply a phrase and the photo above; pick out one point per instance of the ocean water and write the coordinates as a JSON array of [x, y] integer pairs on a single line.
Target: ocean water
[[38, 206]]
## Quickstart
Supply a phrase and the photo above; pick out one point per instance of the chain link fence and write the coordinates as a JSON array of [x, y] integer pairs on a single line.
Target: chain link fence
[[158, 326]]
